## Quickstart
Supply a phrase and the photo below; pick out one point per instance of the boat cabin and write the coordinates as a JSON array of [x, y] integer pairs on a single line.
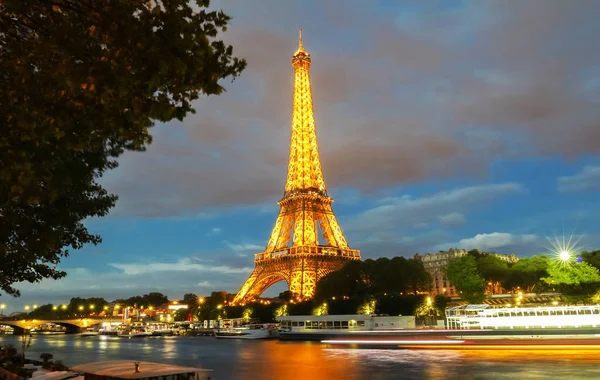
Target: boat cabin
[[352, 322], [127, 369]]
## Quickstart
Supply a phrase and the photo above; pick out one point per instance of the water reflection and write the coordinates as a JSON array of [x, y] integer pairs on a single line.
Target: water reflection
[[267, 360]]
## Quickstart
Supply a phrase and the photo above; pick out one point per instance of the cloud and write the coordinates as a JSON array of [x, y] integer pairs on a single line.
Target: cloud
[[214, 231], [244, 247], [174, 279], [185, 264], [453, 219], [408, 212], [497, 241], [587, 179], [400, 96]]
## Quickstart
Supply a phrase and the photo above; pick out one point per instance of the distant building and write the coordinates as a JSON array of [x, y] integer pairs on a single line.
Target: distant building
[[436, 263]]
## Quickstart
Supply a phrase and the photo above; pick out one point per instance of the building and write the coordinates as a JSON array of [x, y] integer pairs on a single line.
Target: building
[[436, 263]]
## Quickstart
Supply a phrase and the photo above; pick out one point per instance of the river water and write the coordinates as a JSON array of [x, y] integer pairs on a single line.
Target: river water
[[266, 360]]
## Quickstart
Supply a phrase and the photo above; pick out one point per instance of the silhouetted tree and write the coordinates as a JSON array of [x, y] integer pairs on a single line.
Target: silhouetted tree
[[82, 82]]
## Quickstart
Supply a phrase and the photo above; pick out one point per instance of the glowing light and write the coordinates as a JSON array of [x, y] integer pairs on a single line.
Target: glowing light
[[54, 307], [306, 233], [563, 248], [388, 342], [64, 307]]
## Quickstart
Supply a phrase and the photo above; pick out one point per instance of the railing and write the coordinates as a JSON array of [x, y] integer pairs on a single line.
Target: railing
[[482, 316], [310, 250]]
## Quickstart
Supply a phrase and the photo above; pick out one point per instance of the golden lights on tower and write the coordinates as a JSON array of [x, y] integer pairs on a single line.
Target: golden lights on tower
[[306, 242]]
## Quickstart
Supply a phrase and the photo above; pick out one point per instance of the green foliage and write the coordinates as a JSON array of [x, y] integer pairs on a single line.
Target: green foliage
[[492, 268], [370, 277], [154, 299], [464, 275], [83, 81], [571, 274], [210, 308], [527, 273], [285, 295], [592, 258]]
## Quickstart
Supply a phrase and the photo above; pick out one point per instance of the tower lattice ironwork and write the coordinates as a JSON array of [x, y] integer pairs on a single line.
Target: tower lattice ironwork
[[307, 242]]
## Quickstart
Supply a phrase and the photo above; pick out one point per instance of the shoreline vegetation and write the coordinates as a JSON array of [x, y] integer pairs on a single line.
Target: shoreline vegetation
[[15, 364], [396, 286]]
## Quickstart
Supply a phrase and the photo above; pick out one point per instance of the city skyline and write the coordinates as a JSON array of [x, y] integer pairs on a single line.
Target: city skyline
[[453, 126]]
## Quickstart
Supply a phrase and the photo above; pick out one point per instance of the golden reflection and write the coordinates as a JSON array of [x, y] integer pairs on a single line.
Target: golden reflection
[[551, 353], [296, 361]]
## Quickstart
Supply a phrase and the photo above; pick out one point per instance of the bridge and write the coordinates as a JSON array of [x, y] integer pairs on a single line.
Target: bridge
[[73, 326]]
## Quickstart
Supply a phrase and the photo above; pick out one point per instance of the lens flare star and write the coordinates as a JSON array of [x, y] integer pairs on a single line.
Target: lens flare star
[[565, 248]]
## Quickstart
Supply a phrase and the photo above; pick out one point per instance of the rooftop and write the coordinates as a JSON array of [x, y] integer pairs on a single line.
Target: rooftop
[[125, 369]]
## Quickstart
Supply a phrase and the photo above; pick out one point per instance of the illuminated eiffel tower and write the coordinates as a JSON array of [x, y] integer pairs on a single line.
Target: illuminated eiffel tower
[[307, 242]]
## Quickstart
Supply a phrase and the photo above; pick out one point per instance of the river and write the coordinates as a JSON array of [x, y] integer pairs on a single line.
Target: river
[[266, 360]]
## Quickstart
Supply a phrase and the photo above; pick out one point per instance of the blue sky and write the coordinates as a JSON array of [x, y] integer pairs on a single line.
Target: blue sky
[[441, 124]]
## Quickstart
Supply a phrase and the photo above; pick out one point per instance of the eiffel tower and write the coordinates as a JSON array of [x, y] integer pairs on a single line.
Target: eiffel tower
[[307, 242]]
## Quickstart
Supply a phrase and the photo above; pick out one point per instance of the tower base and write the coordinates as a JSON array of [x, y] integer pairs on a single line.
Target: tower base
[[300, 267]]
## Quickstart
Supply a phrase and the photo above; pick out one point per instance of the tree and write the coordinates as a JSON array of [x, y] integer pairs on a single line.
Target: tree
[[571, 274], [493, 269], [353, 278], [592, 258], [83, 81], [417, 279], [286, 295], [527, 273], [463, 274], [191, 300], [155, 299]]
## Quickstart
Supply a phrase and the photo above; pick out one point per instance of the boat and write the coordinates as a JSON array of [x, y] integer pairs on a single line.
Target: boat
[[471, 327], [316, 328], [249, 331], [89, 332], [139, 370], [135, 333]]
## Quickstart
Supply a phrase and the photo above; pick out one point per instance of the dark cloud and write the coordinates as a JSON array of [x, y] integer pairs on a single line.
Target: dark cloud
[[401, 95]]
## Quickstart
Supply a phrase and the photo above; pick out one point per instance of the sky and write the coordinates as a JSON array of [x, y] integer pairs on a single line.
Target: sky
[[467, 124]]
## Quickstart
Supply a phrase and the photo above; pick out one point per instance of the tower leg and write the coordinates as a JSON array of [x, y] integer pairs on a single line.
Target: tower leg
[[260, 279]]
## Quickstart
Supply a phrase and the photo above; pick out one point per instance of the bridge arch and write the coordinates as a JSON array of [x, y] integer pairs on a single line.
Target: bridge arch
[[17, 330]]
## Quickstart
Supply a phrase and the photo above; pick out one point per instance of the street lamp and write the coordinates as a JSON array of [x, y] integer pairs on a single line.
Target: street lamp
[[2, 307], [92, 306], [35, 307], [55, 307], [64, 307], [26, 309]]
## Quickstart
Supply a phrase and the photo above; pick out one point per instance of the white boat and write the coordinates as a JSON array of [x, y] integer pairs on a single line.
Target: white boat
[[89, 332], [252, 331], [135, 333]]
